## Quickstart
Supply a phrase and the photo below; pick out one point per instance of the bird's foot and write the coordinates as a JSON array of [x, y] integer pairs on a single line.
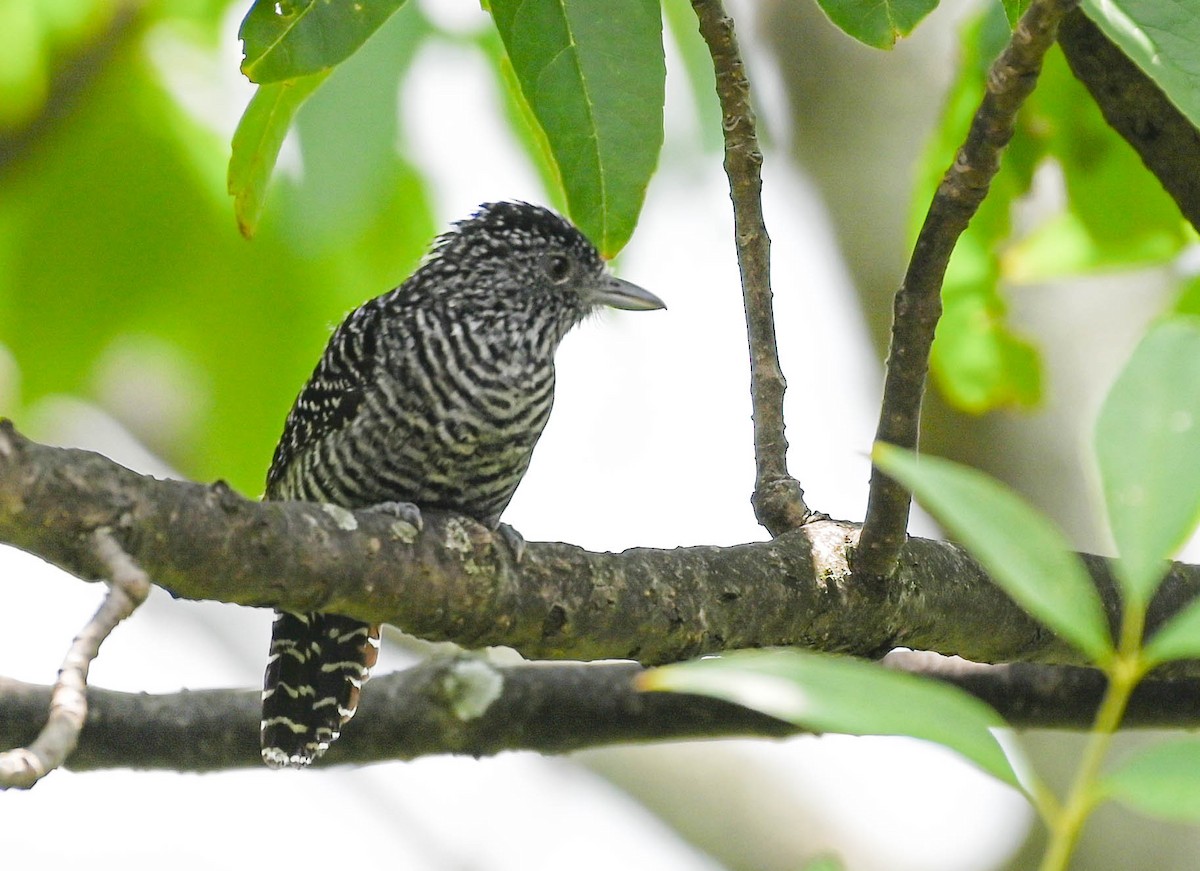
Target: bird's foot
[[514, 540], [405, 511]]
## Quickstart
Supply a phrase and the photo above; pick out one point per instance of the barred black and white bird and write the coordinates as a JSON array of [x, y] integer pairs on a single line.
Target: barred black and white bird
[[432, 395]]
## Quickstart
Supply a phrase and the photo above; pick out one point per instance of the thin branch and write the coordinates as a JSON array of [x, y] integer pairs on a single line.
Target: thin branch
[[462, 704], [22, 767], [1034, 696], [778, 499], [918, 303], [467, 705], [454, 581], [1133, 105]]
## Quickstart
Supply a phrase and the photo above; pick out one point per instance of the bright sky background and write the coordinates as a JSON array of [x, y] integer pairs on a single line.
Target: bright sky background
[[649, 445]]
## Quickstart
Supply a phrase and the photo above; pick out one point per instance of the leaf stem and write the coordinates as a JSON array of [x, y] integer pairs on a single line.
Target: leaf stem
[[1124, 672]]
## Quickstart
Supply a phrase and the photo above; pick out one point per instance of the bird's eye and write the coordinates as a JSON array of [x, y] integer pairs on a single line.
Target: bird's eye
[[558, 268]]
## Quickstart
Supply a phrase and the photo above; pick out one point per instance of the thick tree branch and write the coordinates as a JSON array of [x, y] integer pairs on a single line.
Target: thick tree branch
[[1163, 137], [778, 499], [456, 582], [1133, 104], [468, 705], [918, 304]]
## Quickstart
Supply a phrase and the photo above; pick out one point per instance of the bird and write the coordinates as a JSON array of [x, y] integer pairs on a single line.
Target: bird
[[429, 396]]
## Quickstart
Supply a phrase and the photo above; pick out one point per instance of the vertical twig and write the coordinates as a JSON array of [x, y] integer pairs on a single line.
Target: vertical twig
[[22, 767], [918, 303], [778, 500]]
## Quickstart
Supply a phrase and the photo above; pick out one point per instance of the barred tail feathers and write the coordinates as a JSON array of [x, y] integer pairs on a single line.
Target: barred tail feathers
[[317, 665]]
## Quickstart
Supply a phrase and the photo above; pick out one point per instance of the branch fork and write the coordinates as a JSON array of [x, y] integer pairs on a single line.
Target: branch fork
[[128, 587]]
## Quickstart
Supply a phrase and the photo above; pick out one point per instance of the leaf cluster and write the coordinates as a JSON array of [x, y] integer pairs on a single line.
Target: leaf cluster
[[1146, 438], [591, 76]]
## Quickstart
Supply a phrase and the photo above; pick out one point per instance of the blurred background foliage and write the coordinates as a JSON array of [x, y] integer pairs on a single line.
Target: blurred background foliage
[[123, 278]]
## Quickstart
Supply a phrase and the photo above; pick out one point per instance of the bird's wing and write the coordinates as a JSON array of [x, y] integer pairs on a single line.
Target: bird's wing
[[332, 395]]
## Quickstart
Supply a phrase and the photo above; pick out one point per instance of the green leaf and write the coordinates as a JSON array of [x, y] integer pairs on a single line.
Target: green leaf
[[824, 863], [877, 23], [1163, 38], [521, 121], [257, 140], [1188, 300], [1099, 169], [978, 362], [336, 204], [593, 74], [838, 694], [1147, 441], [1178, 638], [1014, 9], [1022, 551], [286, 39], [1163, 781], [1066, 246]]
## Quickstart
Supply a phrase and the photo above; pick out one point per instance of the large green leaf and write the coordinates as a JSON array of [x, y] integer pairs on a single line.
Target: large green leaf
[[1163, 780], [521, 121], [1147, 441], [837, 694], [1160, 36], [286, 39], [257, 140], [593, 74], [1022, 551], [877, 23]]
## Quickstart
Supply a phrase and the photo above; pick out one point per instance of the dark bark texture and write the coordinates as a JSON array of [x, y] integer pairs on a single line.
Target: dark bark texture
[[1134, 106], [467, 705], [455, 581]]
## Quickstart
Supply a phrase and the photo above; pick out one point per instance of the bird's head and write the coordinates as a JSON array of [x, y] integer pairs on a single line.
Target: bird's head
[[513, 257]]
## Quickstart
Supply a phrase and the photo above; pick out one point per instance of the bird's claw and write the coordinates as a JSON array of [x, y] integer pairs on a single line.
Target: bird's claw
[[406, 511], [514, 540]]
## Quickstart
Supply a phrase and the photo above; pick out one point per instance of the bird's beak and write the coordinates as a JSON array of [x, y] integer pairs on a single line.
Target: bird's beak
[[618, 293]]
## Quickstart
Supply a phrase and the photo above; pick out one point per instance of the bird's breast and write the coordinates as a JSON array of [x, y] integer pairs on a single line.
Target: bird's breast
[[455, 442]]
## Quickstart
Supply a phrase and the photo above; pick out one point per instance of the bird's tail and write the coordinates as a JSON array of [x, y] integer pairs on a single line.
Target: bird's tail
[[317, 665]]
